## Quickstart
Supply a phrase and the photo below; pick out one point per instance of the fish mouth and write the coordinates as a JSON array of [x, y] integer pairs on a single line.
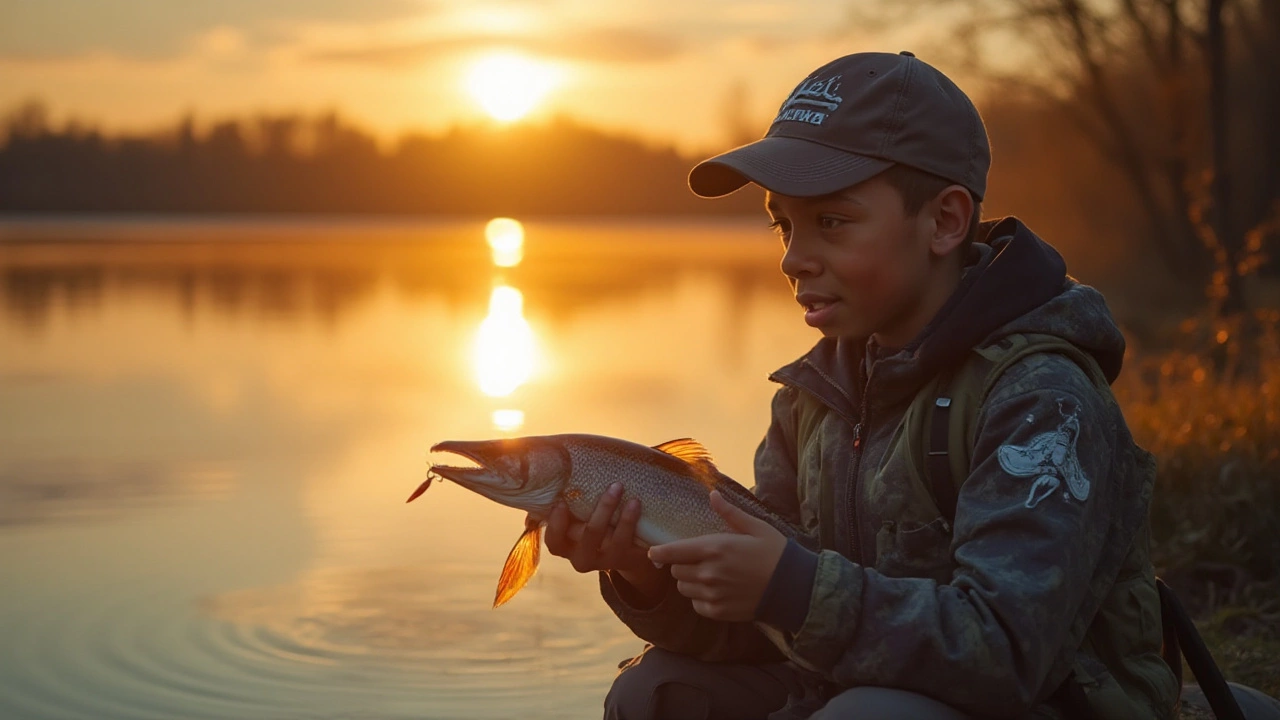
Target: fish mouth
[[484, 453]]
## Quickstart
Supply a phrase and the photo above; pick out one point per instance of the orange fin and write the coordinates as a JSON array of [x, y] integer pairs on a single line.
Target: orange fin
[[522, 563], [686, 449], [692, 452]]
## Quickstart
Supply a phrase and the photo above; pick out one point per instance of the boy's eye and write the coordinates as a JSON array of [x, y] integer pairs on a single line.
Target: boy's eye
[[780, 227], [827, 222]]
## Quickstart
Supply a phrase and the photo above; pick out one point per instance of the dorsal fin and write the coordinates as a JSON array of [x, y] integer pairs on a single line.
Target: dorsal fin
[[692, 452], [686, 449]]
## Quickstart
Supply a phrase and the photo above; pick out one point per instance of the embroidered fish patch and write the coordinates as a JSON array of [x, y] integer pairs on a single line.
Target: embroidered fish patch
[[1051, 459]]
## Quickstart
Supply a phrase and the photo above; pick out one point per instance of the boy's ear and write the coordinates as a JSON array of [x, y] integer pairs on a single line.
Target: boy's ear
[[953, 207]]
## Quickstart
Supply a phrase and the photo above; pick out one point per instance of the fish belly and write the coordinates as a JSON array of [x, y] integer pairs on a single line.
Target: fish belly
[[663, 518]]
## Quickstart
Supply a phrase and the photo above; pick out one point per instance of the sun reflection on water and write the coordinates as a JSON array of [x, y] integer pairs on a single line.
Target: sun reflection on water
[[505, 352], [506, 241], [504, 345]]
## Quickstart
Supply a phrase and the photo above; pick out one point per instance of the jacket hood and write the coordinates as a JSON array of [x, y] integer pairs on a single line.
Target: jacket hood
[[1015, 283]]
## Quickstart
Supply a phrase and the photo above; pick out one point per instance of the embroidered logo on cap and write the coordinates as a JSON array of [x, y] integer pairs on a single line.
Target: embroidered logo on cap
[[812, 102]]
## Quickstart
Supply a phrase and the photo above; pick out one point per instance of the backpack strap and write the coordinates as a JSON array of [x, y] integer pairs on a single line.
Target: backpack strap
[[950, 421], [937, 462], [1176, 622]]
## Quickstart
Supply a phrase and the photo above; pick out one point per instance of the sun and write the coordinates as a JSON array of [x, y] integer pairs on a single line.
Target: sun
[[508, 86]]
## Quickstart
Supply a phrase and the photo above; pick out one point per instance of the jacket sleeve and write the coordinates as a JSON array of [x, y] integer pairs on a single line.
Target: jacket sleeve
[[1042, 503], [671, 623]]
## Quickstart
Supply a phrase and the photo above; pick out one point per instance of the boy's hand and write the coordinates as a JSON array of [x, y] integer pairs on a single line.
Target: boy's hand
[[725, 574], [593, 545]]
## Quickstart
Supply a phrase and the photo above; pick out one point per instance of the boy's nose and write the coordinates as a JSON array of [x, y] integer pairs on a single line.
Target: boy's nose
[[796, 263]]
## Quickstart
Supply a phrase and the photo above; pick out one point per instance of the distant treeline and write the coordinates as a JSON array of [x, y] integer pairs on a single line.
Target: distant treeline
[[324, 164]]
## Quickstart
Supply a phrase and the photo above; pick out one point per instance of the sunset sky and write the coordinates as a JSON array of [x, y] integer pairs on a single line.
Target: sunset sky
[[665, 70]]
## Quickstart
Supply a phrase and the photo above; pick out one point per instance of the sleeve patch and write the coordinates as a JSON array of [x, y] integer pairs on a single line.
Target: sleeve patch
[[1050, 459]]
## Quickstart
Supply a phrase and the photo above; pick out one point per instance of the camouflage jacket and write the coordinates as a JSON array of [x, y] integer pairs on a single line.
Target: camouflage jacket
[[1044, 572]]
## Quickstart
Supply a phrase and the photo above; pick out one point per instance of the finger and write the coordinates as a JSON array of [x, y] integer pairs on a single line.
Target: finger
[[689, 573], [697, 591], [557, 524], [598, 523], [617, 543], [623, 536], [738, 518], [617, 557], [688, 552], [709, 610]]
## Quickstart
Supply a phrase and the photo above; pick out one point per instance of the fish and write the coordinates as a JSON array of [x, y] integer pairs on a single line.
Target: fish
[[673, 482]]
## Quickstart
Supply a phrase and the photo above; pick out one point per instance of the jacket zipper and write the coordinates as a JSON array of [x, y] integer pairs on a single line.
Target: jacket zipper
[[851, 479], [854, 478]]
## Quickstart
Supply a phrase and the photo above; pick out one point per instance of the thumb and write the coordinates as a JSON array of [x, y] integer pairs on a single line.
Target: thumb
[[737, 518]]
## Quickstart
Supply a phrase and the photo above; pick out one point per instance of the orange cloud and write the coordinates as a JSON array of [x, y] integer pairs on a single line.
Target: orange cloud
[[617, 45]]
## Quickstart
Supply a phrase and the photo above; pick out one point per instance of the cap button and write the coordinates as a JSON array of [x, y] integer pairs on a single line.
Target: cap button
[[908, 53]]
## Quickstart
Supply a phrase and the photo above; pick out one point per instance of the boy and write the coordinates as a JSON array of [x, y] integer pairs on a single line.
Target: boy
[[1030, 591]]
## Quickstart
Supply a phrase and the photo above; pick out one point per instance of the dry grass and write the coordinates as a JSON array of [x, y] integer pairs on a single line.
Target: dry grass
[[1245, 639], [1212, 418], [1213, 421]]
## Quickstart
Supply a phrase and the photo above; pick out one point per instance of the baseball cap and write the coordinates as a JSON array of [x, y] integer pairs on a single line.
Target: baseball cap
[[852, 119]]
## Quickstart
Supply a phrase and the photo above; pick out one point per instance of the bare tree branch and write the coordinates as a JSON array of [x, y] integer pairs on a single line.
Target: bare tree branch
[[1090, 64], [1145, 28], [1123, 141]]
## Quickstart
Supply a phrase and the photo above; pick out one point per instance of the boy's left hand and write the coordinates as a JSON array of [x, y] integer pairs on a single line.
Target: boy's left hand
[[725, 574]]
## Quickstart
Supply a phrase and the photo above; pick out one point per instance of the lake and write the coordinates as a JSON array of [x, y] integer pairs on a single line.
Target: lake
[[208, 429]]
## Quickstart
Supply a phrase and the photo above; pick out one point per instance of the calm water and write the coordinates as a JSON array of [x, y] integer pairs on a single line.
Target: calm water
[[208, 430]]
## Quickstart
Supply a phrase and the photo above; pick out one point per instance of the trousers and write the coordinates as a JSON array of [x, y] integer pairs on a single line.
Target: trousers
[[659, 684]]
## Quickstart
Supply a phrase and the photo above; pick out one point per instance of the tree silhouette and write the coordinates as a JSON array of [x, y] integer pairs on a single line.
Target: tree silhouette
[[289, 163], [1157, 87]]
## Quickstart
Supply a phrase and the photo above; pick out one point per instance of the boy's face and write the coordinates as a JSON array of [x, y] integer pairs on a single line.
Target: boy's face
[[857, 264]]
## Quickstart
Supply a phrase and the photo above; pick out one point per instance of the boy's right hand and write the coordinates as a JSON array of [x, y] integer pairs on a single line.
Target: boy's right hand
[[593, 545]]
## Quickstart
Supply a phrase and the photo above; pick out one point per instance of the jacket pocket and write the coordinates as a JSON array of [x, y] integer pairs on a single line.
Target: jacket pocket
[[914, 549]]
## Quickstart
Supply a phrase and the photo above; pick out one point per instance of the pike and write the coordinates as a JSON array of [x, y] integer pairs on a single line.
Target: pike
[[673, 482]]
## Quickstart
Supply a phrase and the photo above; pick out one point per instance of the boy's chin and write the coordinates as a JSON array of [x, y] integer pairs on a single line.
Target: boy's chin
[[831, 324], [841, 332], [844, 327]]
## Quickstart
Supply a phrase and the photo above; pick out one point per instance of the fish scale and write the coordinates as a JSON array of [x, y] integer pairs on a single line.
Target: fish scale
[[683, 511]]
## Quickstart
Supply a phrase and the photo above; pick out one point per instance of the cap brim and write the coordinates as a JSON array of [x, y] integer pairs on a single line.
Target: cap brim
[[784, 165]]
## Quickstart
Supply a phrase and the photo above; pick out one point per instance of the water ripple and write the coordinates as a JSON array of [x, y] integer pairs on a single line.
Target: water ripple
[[385, 644]]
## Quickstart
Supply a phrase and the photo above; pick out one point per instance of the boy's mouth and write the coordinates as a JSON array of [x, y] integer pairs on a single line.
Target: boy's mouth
[[816, 307], [813, 301]]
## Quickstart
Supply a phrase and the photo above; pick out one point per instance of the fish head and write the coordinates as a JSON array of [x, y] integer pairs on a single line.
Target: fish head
[[525, 473]]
